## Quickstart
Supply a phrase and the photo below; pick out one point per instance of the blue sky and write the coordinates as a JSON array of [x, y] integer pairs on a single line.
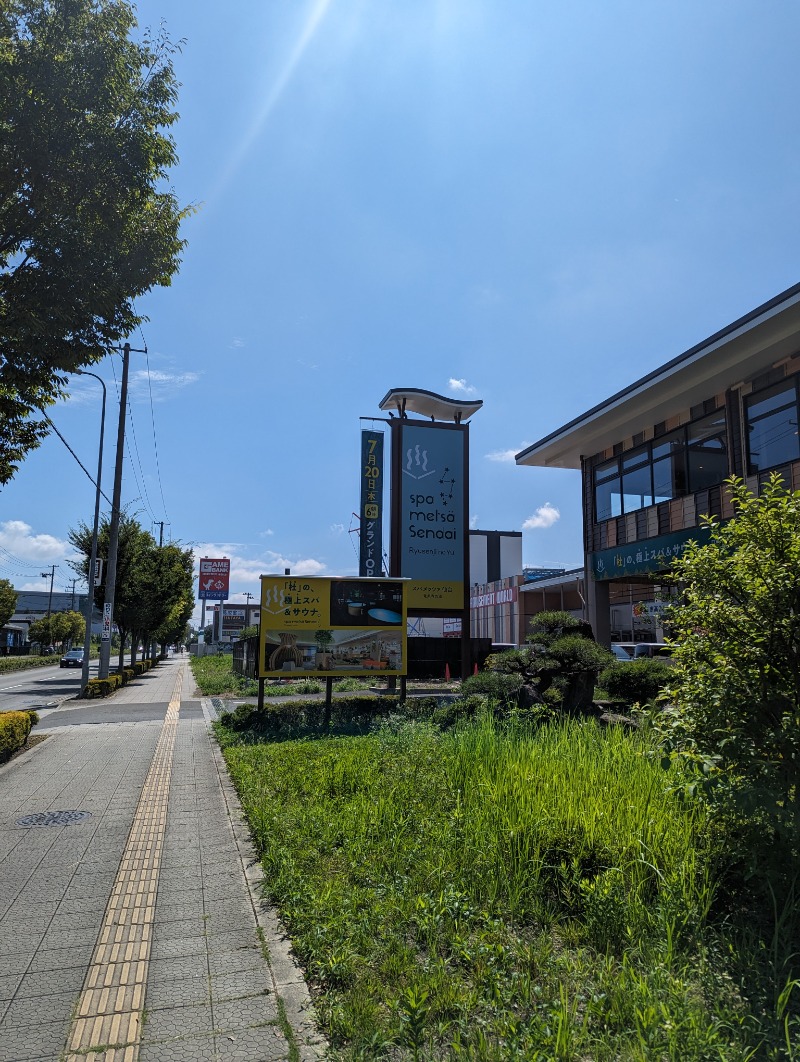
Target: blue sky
[[534, 203]]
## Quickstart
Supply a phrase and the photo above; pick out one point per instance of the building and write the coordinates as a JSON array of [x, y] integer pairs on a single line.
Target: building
[[654, 457], [32, 605]]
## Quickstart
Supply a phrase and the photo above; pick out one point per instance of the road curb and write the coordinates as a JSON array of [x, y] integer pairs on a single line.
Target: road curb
[[287, 977]]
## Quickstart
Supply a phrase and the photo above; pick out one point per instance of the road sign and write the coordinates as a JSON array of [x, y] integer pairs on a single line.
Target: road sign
[[106, 635]]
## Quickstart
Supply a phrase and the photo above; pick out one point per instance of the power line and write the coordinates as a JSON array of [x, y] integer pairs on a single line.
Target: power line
[[153, 420], [140, 485], [64, 441]]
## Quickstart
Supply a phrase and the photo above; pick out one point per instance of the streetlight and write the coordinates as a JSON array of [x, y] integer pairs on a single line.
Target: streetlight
[[87, 641]]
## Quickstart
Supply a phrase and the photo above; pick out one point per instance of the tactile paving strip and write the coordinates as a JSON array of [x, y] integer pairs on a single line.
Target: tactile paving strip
[[107, 1022]]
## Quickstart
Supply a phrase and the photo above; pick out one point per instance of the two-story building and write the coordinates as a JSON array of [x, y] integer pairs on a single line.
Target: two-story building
[[654, 457]]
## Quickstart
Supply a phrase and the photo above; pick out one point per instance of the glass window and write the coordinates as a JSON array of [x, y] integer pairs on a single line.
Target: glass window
[[707, 451], [772, 427], [607, 494], [637, 488], [669, 467]]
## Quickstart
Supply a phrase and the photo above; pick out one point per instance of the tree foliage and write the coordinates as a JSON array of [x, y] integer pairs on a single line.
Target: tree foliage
[[560, 665], [154, 594], [8, 601], [58, 628], [736, 686], [87, 223]]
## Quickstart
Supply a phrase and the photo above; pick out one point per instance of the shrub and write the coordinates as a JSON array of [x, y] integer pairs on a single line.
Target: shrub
[[637, 682], [103, 687], [292, 718], [497, 686], [14, 730]]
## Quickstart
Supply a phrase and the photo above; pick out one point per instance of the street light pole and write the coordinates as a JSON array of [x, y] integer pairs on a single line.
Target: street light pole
[[87, 640]]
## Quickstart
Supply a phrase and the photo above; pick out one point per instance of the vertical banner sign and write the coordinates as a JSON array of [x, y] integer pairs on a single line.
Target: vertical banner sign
[[370, 557], [214, 578], [106, 635], [433, 519]]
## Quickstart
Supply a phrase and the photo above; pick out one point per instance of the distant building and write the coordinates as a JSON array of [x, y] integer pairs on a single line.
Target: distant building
[[32, 606]]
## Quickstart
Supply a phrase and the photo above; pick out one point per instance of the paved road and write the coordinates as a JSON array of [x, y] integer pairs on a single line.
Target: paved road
[[40, 686], [131, 924]]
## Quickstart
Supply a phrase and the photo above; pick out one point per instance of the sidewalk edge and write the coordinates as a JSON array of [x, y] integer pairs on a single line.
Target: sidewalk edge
[[288, 979]]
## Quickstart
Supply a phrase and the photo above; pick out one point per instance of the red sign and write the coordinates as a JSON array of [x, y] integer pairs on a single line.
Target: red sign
[[215, 576]]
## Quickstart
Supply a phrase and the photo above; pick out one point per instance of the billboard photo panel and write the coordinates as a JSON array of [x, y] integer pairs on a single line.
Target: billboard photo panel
[[331, 627]]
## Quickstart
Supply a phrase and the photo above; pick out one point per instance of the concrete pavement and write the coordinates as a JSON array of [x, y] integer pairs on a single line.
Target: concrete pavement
[[131, 925]]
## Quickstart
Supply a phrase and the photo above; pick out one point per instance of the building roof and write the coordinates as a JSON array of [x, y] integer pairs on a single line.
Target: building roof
[[428, 404], [751, 345]]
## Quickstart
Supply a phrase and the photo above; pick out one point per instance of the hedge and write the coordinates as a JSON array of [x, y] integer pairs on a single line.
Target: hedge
[[14, 730], [104, 687], [294, 717], [637, 681]]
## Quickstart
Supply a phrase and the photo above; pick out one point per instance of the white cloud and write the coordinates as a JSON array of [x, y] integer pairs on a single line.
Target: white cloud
[[337, 529], [267, 533], [473, 522], [545, 516], [162, 384], [506, 456], [237, 343], [460, 387], [17, 538]]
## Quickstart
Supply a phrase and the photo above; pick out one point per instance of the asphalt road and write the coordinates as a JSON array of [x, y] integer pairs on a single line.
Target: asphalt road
[[41, 687]]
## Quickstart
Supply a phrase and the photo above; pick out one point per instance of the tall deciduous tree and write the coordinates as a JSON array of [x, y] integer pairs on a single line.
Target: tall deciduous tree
[[8, 601], [87, 223]]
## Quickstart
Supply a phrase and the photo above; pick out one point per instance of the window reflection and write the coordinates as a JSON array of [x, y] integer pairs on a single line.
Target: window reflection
[[687, 460], [772, 426]]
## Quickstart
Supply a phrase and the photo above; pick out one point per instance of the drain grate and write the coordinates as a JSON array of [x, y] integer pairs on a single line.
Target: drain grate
[[54, 818]]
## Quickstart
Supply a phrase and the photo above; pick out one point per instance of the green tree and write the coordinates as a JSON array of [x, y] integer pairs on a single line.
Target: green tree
[[134, 543], [87, 223], [58, 628], [8, 601], [735, 696], [559, 668]]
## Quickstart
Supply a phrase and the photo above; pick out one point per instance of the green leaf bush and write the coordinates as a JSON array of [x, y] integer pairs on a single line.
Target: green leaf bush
[[14, 730], [637, 682], [294, 718]]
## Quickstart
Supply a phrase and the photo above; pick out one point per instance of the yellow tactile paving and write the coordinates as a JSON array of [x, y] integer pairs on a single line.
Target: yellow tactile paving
[[107, 1023]]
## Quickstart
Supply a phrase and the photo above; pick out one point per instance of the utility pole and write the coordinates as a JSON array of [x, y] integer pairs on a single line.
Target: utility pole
[[51, 576], [72, 602], [160, 524], [113, 543]]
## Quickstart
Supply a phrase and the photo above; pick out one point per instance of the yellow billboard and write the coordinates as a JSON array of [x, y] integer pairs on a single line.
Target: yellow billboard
[[331, 627], [432, 593]]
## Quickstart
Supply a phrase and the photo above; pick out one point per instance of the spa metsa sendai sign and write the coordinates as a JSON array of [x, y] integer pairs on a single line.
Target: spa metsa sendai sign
[[430, 476]]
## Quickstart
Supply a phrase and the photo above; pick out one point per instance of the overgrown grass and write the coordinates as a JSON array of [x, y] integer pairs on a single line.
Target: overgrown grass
[[505, 893], [215, 678]]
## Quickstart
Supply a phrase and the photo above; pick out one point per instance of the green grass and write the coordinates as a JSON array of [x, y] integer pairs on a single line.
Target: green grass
[[493, 893], [25, 663]]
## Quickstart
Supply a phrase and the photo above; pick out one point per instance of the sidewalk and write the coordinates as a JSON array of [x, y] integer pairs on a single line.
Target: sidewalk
[[135, 932]]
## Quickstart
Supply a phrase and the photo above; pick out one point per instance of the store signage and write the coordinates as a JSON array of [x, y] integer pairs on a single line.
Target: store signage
[[649, 555], [433, 520], [494, 597], [106, 634], [331, 626], [370, 556], [214, 578]]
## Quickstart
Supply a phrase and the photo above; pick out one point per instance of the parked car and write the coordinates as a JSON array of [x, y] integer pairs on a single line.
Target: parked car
[[648, 650], [74, 658], [623, 650]]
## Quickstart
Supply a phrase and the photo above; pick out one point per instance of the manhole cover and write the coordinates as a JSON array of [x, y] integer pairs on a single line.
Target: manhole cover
[[54, 818]]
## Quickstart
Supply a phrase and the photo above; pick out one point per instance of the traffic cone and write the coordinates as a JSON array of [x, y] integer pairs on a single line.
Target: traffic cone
[[447, 672]]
